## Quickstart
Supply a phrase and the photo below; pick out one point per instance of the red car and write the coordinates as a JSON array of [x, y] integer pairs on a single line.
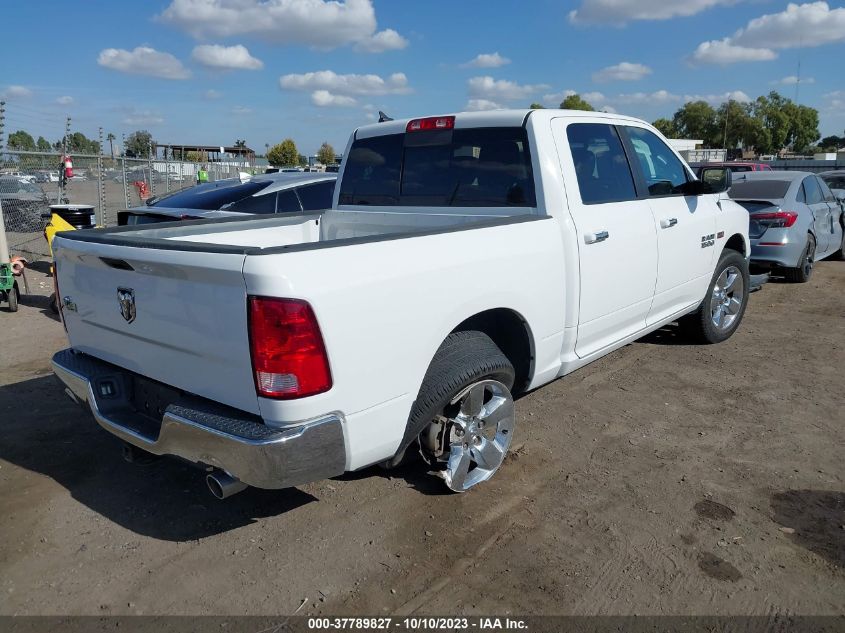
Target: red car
[[734, 166]]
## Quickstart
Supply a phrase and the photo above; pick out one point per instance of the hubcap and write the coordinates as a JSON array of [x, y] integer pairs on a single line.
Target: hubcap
[[479, 434], [726, 300]]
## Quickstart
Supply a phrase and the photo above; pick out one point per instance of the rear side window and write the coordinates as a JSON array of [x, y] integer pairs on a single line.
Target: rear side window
[[287, 202], [664, 173], [600, 163], [316, 197], [465, 167], [265, 203], [812, 190], [826, 192]]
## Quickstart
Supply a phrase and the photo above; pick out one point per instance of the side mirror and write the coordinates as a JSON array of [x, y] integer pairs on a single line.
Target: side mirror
[[715, 179]]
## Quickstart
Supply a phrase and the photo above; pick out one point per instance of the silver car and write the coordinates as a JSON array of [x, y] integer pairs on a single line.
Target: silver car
[[794, 220]]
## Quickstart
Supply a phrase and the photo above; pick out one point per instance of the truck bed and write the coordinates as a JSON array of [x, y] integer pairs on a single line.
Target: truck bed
[[305, 231]]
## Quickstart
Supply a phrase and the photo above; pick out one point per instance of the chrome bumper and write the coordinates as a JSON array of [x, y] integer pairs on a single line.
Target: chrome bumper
[[202, 431]]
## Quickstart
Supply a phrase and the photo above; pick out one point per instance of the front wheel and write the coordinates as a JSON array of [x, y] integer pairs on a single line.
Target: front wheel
[[721, 312], [463, 418]]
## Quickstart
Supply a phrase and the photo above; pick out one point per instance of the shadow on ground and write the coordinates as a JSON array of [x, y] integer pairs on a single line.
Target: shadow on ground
[[44, 432], [818, 518]]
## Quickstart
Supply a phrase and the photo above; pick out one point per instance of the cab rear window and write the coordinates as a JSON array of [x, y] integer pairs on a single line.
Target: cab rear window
[[488, 167]]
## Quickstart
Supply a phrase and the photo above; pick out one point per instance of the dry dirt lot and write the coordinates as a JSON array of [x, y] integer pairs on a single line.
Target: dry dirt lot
[[663, 479]]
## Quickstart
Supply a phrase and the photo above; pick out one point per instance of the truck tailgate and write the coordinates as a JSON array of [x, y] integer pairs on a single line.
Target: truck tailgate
[[189, 326]]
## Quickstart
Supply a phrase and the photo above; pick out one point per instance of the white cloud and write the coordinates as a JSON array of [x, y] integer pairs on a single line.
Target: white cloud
[[387, 40], [476, 105], [143, 60], [608, 109], [799, 26], [624, 71], [494, 90], [487, 60], [16, 92], [347, 85], [211, 94], [142, 117], [323, 24], [555, 98], [723, 52], [324, 98], [793, 80], [240, 110], [226, 57], [65, 100], [835, 102], [717, 99], [593, 97], [659, 96], [622, 11]]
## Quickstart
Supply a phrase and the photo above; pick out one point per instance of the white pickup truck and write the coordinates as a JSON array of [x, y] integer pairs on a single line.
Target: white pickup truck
[[466, 258]]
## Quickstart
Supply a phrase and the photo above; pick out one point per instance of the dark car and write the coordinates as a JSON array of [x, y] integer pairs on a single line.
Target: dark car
[[267, 193], [24, 203]]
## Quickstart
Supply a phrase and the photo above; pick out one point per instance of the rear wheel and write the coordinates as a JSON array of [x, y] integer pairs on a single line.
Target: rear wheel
[[840, 254], [463, 418], [720, 313], [801, 273], [12, 298]]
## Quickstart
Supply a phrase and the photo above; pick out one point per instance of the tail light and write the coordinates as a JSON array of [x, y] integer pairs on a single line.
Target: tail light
[[431, 123], [289, 358], [775, 220]]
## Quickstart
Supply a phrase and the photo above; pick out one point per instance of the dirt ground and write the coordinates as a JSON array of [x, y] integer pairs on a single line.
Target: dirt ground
[[663, 479]]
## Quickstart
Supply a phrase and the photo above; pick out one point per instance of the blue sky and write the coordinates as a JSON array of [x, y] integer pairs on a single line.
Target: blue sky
[[212, 71]]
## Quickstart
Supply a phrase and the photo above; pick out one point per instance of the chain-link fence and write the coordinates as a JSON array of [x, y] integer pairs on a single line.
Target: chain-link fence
[[31, 181]]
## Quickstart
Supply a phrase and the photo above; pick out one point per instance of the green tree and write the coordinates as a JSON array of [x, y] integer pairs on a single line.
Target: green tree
[[196, 157], [43, 145], [536, 106], [804, 127], [138, 144], [240, 143], [80, 144], [832, 143], [666, 127], [697, 119], [110, 138], [326, 154], [284, 154], [22, 141], [575, 102], [771, 112]]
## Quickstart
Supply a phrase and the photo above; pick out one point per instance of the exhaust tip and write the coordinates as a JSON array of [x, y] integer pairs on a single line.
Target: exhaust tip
[[222, 485]]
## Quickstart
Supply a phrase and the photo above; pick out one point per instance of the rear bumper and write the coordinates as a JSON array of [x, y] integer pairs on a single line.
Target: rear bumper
[[204, 432], [787, 254]]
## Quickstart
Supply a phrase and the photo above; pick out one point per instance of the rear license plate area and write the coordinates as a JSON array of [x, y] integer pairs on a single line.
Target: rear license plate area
[[150, 398]]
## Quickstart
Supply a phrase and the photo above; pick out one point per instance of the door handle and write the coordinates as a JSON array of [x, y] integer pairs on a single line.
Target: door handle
[[598, 236], [667, 223]]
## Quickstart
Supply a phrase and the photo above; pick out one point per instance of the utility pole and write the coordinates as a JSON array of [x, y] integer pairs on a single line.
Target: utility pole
[[63, 183], [725, 137], [2, 122], [101, 185], [123, 167]]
